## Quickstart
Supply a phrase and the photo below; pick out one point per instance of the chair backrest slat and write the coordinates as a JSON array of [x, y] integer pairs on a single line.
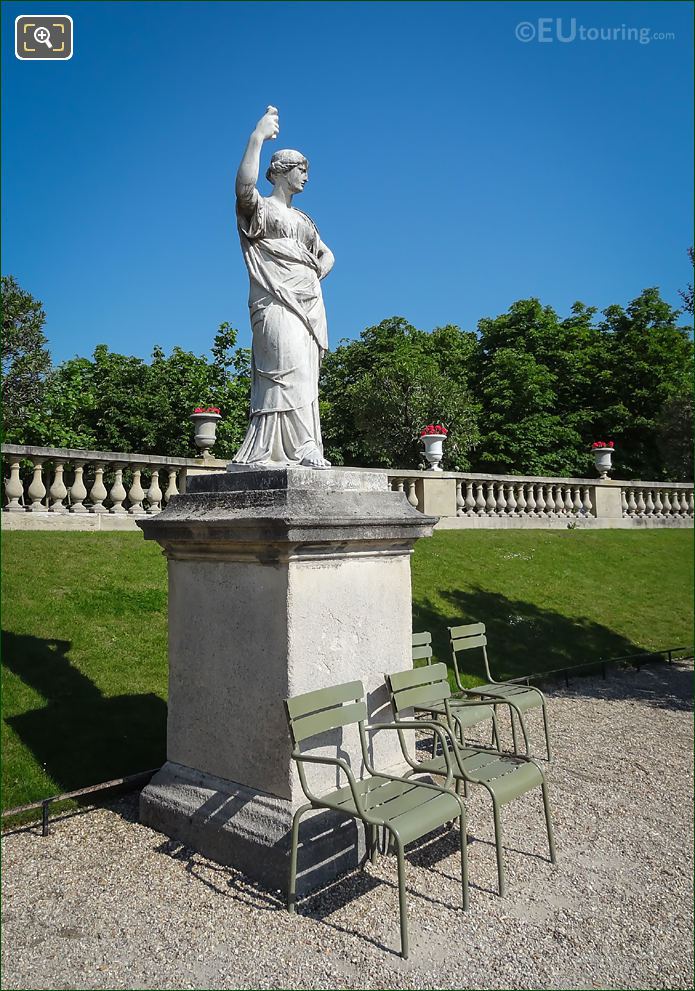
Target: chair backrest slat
[[423, 686], [320, 722], [421, 695], [416, 676], [422, 652], [323, 698], [422, 639], [468, 643]]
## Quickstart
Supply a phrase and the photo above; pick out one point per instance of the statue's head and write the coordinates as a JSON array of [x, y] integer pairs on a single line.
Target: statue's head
[[290, 168]]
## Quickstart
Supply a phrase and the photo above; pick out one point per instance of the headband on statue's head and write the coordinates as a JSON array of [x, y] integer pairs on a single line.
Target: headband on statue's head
[[284, 161]]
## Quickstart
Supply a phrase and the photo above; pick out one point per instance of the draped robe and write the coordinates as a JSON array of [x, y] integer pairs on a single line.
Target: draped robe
[[288, 323]]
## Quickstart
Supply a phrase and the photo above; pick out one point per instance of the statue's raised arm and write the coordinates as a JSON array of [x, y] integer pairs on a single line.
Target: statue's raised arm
[[286, 260], [267, 129]]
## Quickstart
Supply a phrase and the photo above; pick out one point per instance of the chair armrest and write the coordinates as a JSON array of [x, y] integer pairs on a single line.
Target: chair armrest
[[336, 762], [444, 734], [483, 700]]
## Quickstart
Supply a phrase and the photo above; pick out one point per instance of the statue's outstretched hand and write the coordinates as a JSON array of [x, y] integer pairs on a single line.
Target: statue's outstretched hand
[[268, 126]]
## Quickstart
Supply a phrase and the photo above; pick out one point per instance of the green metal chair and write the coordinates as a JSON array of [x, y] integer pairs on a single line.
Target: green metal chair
[[504, 776], [469, 715], [406, 809], [521, 698]]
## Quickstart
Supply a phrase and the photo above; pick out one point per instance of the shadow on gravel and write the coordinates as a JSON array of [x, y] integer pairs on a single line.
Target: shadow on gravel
[[524, 639], [80, 736]]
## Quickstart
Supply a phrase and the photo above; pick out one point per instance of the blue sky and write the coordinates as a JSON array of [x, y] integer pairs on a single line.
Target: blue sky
[[454, 168]]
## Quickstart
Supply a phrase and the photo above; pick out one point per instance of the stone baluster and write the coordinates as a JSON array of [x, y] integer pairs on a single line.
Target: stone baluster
[[154, 494], [668, 505], [521, 500], [172, 487], [398, 485], [587, 504], [623, 503], [576, 502], [531, 501], [412, 494], [559, 500], [500, 502], [511, 501], [649, 504], [78, 492], [117, 493], [14, 490], [641, 504], [569, 505], [658, 504], [631, 502], [549, 502], [469, 501], [541, 510], [684, 505], [460, 501], [691, 504], [479, 499], [136, 493], [37, 490], [98, 492], [58, 491], [490, 499]]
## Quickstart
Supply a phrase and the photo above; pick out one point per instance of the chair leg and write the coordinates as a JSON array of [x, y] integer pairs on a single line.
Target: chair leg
[[547, 734], [401, 897], [292, 891], [374, 842], [495, 732], [511, 718], [464, 861], [501, 879], [549, 825]]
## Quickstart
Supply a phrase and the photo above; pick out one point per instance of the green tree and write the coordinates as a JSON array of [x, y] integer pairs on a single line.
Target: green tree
[[540, 380], [380, 390], [119, 403], [25, 357], [650, 369]]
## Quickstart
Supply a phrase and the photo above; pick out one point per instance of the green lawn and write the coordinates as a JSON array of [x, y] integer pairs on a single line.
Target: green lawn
[[84, 630]]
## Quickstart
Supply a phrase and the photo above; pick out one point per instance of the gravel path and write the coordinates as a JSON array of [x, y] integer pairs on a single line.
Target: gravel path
[[106, 903]]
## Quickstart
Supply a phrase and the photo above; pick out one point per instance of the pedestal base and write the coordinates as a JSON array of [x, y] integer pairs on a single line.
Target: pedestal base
[[249, 829]]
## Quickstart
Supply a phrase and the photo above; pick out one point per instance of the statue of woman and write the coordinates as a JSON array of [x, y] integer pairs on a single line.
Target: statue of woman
[[286, 259]]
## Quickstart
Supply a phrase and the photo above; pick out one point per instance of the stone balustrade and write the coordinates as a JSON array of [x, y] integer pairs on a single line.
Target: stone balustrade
[[56, 488], [65, 488], [466, 499]]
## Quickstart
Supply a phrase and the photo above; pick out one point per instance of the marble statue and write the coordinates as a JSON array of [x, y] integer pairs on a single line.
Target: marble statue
[[286, 260]]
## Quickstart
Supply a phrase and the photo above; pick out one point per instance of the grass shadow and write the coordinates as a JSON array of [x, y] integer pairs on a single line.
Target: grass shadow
[[522, 638], [80, 737]]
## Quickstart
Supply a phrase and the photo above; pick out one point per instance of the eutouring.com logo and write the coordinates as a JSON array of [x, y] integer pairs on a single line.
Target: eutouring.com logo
[[565, 30]]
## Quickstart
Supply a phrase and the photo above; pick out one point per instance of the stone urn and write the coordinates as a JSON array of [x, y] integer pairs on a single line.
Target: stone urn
[[205, 425], [602, 460], [433, 443]]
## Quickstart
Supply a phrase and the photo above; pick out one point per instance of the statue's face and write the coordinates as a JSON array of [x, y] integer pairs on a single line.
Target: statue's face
[[297, 178]]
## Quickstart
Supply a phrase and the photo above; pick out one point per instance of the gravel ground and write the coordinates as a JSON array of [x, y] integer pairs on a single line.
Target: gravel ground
[[106, 903]]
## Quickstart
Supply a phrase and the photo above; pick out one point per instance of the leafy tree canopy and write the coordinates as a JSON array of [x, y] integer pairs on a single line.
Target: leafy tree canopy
[[25, 357], [379, 391], [113, 402]]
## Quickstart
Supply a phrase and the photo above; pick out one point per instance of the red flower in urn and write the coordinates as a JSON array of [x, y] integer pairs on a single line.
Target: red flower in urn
[[433, 428]]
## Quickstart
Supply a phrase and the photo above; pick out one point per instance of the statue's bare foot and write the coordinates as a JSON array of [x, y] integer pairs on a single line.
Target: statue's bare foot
[[315, 460]]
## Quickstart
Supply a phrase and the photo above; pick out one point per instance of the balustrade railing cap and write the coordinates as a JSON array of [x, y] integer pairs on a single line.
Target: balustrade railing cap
[[106, 457]]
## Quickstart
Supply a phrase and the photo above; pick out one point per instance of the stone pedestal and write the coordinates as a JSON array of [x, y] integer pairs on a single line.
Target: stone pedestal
[[281, 581]]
